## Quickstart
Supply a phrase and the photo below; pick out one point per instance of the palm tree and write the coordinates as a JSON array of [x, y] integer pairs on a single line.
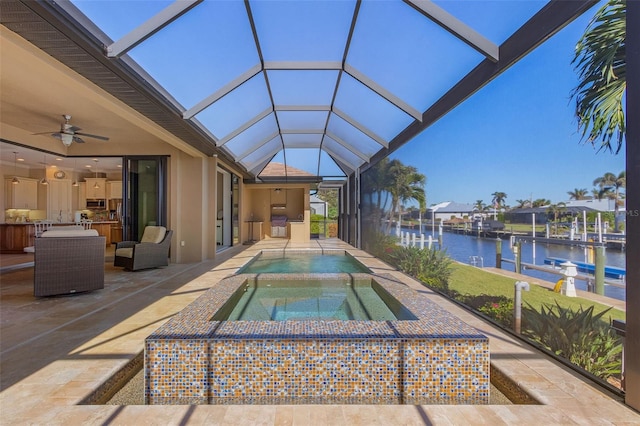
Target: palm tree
[[406, 183], [555, 210], [522, 203], [610, 186], [600, 62], [578, 194], [375, 183], [479, 205], [540, 202], [498, 201], [498, 198]]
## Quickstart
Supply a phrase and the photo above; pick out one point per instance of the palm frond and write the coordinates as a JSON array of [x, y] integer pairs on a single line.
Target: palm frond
[[600, 62]]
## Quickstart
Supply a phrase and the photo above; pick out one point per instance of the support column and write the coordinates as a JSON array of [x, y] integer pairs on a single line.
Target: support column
[[632, 348]]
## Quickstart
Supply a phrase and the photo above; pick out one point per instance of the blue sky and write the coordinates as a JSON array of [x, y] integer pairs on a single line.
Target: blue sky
[[517, 135]]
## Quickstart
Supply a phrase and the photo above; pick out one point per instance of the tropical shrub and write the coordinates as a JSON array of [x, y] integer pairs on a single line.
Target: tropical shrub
[[579, 336], [381, 245], [317, 224], [498, 308], [431, 266]]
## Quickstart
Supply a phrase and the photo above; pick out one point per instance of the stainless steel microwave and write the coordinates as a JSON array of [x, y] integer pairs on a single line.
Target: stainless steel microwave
[[96, 203]]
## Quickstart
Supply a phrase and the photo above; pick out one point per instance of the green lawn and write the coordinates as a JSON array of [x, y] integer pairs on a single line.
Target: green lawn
[[469, 280]]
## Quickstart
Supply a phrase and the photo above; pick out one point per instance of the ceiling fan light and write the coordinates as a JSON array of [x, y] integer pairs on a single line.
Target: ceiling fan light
[[66, 139]]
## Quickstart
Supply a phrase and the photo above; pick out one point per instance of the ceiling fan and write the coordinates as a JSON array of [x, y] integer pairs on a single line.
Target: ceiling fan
[[69, 133]]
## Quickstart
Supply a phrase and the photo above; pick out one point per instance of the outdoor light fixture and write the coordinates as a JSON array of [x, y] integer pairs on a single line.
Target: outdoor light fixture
[[15, 179], [44, 180]]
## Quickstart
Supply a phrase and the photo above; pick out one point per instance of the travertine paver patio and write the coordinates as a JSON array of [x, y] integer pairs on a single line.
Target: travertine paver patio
[[56, 351]]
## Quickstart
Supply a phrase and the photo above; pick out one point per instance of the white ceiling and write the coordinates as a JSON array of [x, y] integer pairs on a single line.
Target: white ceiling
[[33, 159]]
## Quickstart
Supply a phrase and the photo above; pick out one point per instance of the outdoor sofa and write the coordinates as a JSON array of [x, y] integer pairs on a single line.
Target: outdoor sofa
[[68, 261]]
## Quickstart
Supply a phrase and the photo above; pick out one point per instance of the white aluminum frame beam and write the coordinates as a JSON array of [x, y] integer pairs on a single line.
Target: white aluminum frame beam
[[339, 157], [302, 131], [150, 27], [256, 170], [382, 92], [302, 108], [245, 126], [302, 65], [303, 145], [258, 146], [348, 146], [223, 91], [456, 27], [360, 127], [270, 154], [339, 160]]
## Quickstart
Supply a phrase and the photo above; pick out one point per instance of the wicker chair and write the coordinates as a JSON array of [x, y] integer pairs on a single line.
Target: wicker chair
[[68, 262], [151, 252]]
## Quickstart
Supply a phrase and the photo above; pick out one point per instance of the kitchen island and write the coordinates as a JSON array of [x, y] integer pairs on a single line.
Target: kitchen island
[[14, 237]]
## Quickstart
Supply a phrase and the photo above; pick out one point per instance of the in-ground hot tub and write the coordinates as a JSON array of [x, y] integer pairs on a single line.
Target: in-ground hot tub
[[307, 261], [424, 356]]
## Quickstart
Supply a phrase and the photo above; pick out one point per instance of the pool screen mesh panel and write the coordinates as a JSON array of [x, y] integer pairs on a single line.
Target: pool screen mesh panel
[[258, 80]]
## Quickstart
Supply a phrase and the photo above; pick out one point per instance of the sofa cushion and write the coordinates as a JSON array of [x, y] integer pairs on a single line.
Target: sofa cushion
[[153, 234], [53, 233]]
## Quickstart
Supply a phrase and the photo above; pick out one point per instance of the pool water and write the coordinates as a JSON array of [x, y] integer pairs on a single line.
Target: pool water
[[304, 263], [312, 300]]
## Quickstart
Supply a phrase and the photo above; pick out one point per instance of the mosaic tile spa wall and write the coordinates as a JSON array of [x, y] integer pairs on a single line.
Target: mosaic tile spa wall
[[436, 359]]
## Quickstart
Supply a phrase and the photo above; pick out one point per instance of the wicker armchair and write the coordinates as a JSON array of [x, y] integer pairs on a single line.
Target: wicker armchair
[[152, 250], [68, 262]]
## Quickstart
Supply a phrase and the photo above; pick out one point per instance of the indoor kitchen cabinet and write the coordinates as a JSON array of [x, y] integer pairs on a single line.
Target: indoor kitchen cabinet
[[114, 189], [14, 238], [82, 196], [59, 200], [98, 191], [23, 195]]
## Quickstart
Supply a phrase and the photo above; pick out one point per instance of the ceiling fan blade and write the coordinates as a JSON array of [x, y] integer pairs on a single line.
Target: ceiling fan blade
[[72, 129], [45, 133], [103, 138], [77, 139]]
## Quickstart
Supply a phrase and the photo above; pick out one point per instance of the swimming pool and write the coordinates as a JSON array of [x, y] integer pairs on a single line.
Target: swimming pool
[[197, 357], [307, 261], [295, 299]]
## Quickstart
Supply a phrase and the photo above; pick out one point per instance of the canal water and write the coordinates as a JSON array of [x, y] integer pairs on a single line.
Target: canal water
[[462, 247]]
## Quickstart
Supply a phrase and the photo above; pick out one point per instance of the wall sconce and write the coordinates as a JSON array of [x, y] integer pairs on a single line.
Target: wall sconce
[[278, 190]]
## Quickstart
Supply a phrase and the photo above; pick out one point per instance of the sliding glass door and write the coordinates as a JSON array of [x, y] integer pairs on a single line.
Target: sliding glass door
[[145, 194]]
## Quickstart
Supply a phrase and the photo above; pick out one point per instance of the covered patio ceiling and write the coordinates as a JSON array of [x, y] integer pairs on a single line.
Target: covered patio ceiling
[[328, 87]]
